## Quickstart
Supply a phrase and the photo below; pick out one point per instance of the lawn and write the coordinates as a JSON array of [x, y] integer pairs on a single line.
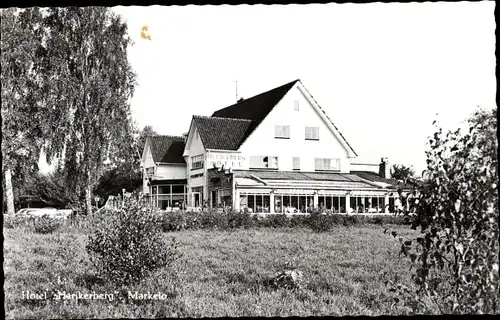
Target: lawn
[[220, 273]]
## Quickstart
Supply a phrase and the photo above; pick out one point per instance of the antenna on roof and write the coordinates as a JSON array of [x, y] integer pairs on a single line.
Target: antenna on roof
[[236, 90]]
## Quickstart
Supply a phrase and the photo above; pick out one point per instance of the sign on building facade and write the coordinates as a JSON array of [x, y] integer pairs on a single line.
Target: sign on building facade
[[228, 160]]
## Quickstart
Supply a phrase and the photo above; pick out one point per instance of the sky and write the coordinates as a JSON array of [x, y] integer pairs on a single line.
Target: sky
[[382, 72]]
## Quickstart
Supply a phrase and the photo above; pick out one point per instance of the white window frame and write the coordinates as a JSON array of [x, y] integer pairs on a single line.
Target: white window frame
[[326, 164], [296, 163], [296, 106], [312, 133], [272, 162], [282, 131], [197, 162]]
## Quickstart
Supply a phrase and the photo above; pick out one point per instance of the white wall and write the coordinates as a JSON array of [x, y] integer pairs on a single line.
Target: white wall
[[170, 171], [147, 158], [263, 142], [196, 148], [146, 162]]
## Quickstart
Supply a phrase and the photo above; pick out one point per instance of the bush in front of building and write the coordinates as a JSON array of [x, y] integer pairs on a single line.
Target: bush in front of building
[[237, 219], [351, 220], [172, 221], [224, 220], [128, 245], [298, 220], [319, 222]]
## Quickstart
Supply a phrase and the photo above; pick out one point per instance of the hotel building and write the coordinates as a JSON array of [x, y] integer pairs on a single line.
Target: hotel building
[[276, 152]]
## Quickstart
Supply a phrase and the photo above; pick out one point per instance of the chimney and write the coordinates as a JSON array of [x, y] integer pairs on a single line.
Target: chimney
[[384, 168], [185, 135]]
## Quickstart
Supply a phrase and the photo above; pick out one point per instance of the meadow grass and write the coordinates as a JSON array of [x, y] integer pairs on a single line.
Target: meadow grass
[[220, 273]]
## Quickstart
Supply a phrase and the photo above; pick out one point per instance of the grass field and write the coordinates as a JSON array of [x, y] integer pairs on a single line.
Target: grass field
[[220, 273]]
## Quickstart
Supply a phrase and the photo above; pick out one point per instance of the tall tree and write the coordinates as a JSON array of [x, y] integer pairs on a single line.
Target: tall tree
[[22, 112], [89, 83]]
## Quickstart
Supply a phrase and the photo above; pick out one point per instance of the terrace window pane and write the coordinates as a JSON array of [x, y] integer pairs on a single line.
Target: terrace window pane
[[382, 204], [329, 202], [178, 189], [335, 204], [278, 203], [258, 202], [295, 201], [302, 204], [286, 200], [353, 204], [391, 205], [342, 205], [266, 200], [251, 202], [310, 203]]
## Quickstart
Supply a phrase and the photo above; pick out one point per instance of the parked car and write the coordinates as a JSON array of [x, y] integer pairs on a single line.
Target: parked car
[[50, 212]]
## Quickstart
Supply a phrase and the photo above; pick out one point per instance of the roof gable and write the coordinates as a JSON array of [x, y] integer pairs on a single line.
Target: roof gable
[[221, 133], [327, 119], [167, 149], [255, 108]]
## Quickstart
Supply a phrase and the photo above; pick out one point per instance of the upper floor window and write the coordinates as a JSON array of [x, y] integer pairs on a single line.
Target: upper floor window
[[282, 132], [263, 162], [312, 133], [296, 163], [326, 164], [296, 105], [197, 162]]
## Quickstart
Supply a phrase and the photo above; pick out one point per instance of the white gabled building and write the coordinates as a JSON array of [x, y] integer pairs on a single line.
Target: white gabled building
[[277, 152]]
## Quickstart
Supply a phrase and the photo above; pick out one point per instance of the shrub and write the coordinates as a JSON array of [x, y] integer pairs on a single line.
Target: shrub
[[276, 220], [376, 220], [15, 221], [127, 245], [351, 220], [46, 224], [320, 222], [239, 220], [172, 221], [298, 220], [455, 257]]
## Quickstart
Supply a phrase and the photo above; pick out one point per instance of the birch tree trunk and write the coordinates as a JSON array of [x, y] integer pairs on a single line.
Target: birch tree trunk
[[88, 198], [8, 192]]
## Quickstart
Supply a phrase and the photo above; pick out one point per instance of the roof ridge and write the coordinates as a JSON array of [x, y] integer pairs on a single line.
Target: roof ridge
[[166, 136], [224, 118]]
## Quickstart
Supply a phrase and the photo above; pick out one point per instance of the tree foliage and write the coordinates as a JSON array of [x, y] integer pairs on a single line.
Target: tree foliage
[[89, 82], [456, 255], [402, 172], [22, 113]]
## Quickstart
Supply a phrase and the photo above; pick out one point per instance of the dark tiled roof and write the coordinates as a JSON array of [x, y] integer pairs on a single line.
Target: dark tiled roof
[[221, 133], [372, 176], [297, 175], [167, 149], [255, 108], [337, 179]]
